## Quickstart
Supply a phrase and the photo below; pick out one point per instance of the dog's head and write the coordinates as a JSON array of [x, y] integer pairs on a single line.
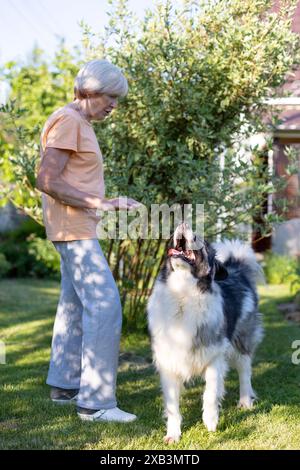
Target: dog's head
[[186, 251]]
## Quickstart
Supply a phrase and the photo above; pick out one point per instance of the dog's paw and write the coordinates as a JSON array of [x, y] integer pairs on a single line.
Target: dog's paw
[[210, 419], [246, 402], [171, 439]]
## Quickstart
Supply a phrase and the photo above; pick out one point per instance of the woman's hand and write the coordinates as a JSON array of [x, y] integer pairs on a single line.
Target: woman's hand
[[117, 203], [123, 203]]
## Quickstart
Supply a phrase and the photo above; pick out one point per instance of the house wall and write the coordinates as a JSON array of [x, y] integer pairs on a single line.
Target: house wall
[[10, 218], [286, 236]]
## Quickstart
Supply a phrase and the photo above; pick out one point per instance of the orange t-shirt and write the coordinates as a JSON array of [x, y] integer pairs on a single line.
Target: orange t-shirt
[[66, 129]]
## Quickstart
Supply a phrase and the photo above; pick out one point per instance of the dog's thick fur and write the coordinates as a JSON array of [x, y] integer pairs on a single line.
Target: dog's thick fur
[[203, 317]]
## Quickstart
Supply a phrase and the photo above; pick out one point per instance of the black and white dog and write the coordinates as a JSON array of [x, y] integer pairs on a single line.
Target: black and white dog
[[203, 317]]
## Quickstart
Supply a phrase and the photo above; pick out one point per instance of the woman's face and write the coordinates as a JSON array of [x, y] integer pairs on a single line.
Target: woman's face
[[98, 107]]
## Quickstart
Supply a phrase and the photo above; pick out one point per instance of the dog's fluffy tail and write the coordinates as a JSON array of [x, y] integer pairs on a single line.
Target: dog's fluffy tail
[[238, 253]]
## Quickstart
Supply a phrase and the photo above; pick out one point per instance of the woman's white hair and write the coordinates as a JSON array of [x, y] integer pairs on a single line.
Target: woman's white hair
[[100, 76]]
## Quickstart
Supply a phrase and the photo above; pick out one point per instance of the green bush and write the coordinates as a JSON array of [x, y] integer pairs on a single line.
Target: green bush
[[47, 259], [198, 74], [27, 227], [28, 253], [280, 269], [295, 285], [4, 265]]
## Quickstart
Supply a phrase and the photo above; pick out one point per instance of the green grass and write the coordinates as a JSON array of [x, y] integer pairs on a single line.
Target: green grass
[[29, 420]]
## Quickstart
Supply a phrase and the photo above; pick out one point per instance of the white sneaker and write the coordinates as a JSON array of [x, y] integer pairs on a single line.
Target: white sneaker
[[113, 415]]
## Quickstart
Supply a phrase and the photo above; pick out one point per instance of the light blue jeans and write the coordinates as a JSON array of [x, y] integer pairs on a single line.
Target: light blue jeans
[[87, 328]]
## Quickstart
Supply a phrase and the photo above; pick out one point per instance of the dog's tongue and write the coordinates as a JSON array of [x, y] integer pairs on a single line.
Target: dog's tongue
[[172, 252]]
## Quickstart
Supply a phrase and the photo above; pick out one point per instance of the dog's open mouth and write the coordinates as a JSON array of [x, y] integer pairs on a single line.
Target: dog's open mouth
[[180, 251]]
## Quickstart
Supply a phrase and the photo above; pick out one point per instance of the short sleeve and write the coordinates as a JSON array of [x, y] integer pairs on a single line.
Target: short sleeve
[[63, 134]]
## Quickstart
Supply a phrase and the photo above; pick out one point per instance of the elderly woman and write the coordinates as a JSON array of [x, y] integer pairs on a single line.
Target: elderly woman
[[86, 336]]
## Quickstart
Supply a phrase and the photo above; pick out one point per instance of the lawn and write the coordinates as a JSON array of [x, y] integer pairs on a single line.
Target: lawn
[[29, 420]]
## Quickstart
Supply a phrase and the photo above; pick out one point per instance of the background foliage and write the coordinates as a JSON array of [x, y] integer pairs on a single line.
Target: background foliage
[[198, 73]]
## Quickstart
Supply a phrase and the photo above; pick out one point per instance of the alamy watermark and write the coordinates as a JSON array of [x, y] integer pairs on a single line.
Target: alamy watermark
[[296, 354], [160, 221], [2, 352]]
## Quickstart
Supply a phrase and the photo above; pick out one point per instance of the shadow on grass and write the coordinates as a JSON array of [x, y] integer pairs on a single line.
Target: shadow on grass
[[27, 411], [25, 300], [28, 419]]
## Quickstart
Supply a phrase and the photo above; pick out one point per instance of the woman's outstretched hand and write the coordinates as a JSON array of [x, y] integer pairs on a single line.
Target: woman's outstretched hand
[[123, 203], [117, 203]]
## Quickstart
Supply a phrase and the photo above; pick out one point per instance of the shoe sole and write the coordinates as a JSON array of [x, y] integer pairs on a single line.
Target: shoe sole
[[91, 418], [58, 401], [88, 417]]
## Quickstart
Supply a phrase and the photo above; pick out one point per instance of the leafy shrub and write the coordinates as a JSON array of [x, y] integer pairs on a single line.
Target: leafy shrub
[[4, 265], [279, 269], [198, 74], [27, 227], [295, 286], [47, 259], [29, 253]]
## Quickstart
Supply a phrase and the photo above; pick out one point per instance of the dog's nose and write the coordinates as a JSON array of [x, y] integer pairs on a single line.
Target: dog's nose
[[183, 230], [184, 226]]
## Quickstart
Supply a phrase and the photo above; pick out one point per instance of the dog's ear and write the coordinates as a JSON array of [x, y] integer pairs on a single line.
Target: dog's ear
[[221, 272]]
